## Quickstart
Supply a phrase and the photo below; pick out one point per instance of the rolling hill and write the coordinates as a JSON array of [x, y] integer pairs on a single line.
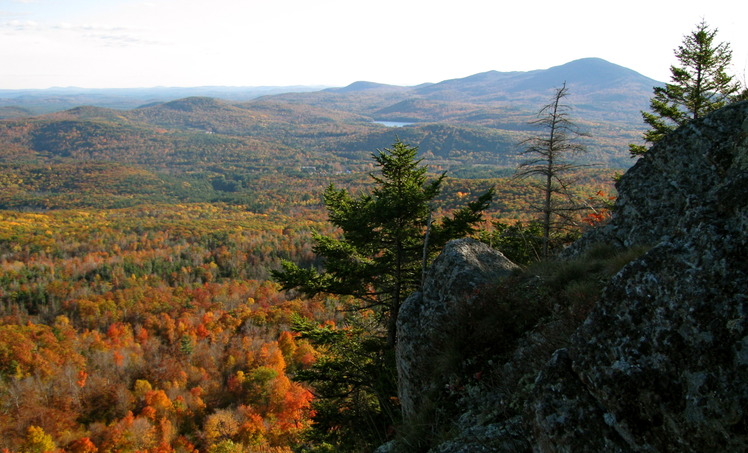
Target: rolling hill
[[40, 101], [223, 146]]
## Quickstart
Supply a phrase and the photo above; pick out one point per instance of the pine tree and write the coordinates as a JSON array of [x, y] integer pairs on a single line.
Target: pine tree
[[697, 87]]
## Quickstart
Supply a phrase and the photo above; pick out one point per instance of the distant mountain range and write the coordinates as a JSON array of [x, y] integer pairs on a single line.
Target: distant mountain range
[[56, 99], [469, 126], [600, 91], [595, 84]]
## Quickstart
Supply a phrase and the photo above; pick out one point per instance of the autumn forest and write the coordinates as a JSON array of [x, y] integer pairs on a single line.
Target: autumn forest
[[138, 312]]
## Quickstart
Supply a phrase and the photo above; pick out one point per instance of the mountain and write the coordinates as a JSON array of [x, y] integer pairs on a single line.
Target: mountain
[[470, 127], [365, 86], [584, 76], [600, 91], [590, 81]]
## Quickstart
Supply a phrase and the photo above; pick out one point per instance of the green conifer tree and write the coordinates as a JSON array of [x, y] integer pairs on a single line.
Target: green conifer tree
[[387, 237], [698, 86]]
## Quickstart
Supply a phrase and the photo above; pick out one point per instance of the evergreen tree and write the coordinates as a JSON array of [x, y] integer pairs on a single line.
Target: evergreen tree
[[697, 87], [354, 383], [548, 162], [387, 237]]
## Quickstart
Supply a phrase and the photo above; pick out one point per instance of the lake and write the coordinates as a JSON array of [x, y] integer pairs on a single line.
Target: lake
[[392, 123]]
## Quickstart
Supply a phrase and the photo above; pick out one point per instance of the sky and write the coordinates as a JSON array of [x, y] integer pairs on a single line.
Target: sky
[[186, 43]]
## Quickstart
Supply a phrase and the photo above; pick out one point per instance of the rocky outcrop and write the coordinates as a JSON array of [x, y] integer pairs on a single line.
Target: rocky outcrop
[[697, 175], [661, 362], [664, 354], [464, 267]]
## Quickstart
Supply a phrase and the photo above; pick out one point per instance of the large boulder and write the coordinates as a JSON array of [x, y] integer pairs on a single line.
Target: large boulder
[[456, 277]]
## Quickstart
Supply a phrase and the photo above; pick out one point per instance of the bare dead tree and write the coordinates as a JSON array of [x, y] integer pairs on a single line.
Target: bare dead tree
[[548, 162]]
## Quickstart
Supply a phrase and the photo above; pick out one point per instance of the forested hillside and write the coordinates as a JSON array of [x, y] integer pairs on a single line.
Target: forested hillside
[[151, 328], [203, 149], [155, 327]]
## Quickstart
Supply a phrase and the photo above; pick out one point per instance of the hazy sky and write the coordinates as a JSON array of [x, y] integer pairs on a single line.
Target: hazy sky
[[145, 43]]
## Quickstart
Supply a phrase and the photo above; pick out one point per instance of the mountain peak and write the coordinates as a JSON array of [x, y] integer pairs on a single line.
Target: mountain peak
[[590, 61], [364, 86], [597, 69], [585, 75]]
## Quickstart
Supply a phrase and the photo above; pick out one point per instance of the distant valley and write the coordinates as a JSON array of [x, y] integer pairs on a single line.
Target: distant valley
[[226, 140]]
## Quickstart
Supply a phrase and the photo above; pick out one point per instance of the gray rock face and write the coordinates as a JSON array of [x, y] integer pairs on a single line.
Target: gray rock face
[[664, 354], [696, 175], [455, 278], [661, 363], [566, 416]]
